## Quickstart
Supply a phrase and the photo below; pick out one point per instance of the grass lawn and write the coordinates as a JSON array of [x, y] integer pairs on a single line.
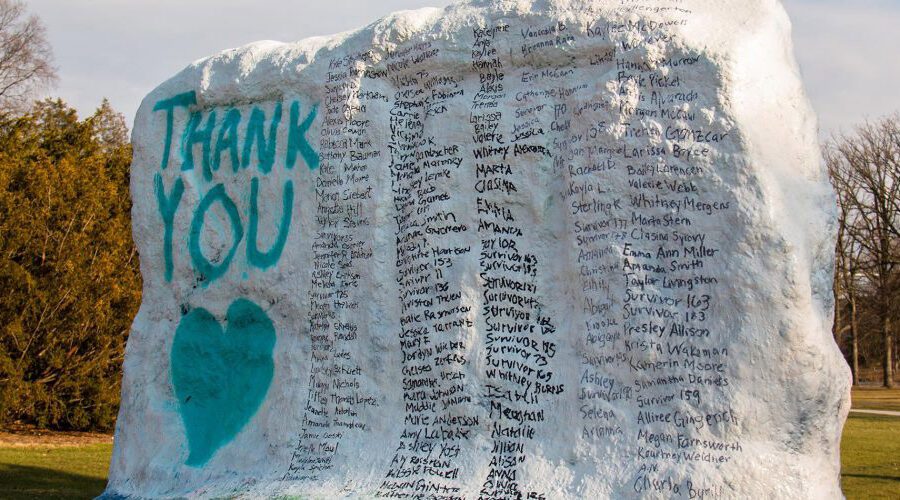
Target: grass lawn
[[873, 398], [870, 455], [53, 472], [870, 452]]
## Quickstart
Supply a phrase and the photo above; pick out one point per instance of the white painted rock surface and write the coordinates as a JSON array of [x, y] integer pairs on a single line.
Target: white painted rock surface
[[510, 249]]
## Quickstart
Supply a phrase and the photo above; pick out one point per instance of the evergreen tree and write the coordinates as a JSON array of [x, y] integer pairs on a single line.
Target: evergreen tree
[[69, 280]]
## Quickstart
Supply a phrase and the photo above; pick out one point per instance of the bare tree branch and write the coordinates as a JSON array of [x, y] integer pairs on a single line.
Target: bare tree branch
[[865, 172], [26, 59]]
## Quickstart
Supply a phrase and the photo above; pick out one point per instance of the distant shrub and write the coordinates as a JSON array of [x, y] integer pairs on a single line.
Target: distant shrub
[[69, 279]]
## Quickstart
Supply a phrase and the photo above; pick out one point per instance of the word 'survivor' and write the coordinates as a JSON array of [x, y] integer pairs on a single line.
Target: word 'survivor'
[[508, 249]]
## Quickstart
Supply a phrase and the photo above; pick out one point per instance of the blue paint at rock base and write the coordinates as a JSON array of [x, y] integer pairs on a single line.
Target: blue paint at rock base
[[221, 377]]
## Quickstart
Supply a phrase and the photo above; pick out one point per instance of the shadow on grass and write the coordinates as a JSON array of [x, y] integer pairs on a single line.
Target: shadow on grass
[[22, 481], [872, 476]]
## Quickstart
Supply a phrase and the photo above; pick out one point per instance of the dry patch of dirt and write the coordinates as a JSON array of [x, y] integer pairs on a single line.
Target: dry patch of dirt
[[28, 437]]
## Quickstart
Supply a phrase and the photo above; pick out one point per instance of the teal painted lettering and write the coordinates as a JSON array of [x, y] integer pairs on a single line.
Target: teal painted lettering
[[265, 149], [193, 135], [255, 257], [168, 105], [167, 207], [204, 267], [297, 138], [228, 140], [220, 377]]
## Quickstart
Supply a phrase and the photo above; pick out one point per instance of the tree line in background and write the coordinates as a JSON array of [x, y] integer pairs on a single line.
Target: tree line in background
[[865, 171], [69, 278]]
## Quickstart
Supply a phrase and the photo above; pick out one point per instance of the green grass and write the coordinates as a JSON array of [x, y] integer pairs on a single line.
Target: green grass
[[876, 398], [870, 455], [62, 472]]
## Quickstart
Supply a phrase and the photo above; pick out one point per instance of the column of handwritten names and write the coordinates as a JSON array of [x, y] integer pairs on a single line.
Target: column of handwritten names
[[646, 250], [341, 248], [438, 417], [518, 338]]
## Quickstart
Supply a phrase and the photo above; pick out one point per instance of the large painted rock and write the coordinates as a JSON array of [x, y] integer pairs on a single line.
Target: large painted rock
[[508, 249]]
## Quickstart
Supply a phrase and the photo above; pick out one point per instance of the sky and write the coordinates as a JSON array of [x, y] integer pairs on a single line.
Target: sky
[[121, 49]]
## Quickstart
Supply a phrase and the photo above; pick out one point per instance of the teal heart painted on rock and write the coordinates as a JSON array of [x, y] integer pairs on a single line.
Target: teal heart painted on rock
[[221, 377]]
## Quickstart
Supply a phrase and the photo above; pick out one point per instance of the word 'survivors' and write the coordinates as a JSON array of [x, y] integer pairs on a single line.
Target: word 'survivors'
[[548, 249]]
